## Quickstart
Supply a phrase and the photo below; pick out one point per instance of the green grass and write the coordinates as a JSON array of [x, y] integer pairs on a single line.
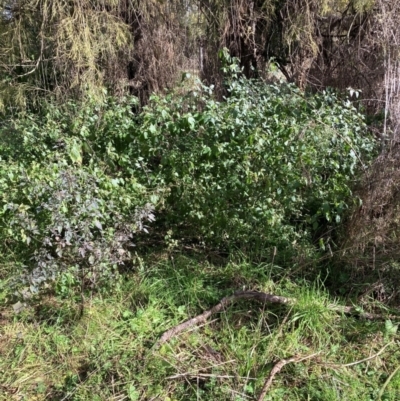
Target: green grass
[[50, 352]]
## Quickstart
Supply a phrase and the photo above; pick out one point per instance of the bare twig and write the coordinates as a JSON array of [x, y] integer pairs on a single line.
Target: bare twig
[[361, 360], [382, 390], [277, 368]]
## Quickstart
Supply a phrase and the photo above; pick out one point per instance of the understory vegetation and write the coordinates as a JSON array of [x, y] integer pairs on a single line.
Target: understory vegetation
[[199, 200], [268, 168], [117, 225], [49, 352]]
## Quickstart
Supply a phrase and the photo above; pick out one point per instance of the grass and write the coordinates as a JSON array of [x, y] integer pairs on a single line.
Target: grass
[[50, 352]]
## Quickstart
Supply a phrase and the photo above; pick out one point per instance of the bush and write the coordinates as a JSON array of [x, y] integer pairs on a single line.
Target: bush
[[267, 165], [65, 200]]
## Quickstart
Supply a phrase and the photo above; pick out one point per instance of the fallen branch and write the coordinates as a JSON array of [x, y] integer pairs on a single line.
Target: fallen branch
[[263, 298], [255, 295], [277, 368]]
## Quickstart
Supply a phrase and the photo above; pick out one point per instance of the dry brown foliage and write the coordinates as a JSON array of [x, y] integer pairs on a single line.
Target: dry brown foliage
[[374, 229], [72, 49], [315, 43]]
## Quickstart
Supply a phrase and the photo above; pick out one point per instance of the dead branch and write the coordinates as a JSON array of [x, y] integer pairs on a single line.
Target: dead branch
[[277, 368], [263, 298], [255, 295]]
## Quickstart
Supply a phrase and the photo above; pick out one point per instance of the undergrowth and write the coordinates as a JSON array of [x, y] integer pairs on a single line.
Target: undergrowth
[[49, 352], [99, 211]]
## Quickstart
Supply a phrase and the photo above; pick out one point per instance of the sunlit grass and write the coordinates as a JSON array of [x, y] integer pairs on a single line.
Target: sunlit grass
[[50, 352]]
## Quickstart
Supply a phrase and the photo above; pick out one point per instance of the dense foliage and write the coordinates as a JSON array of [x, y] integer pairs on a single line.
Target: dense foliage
[[131, 201], [63, 207], [68, 49], [269, 165]]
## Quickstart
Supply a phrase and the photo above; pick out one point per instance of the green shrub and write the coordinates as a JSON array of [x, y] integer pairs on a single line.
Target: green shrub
[[65, 200], [90, 133], [267, 165]]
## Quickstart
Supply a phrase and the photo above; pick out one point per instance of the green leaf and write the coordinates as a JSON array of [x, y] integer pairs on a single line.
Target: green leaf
[[98, 225], [191, 122], [390, 328], [153, 129], [133, 393], [75, 153]]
